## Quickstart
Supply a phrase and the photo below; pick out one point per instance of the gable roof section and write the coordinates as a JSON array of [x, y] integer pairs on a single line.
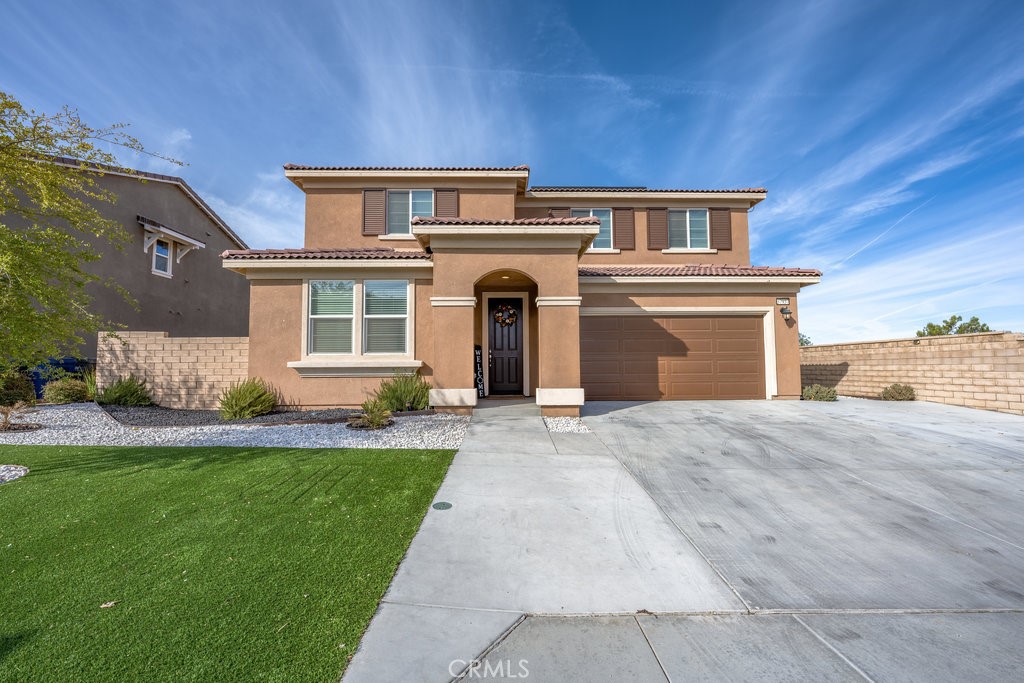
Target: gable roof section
[[695, 270], [361, 253], [305, 167], [107, 169]]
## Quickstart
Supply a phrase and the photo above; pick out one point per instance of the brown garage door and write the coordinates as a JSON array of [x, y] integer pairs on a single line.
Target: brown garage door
[[642, 358]]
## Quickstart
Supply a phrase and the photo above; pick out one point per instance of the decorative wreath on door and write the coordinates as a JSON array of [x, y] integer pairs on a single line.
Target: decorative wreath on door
[[505, 315]]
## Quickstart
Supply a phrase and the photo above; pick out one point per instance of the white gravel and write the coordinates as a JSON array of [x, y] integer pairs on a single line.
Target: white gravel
[[566, 425], [86, 424], [12, 472]]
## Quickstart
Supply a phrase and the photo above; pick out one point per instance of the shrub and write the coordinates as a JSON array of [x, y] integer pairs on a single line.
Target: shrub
[[898, 392], [8, 413], [15, 387], [126, 391], [89, 377], [404, 391], [375, 415], [66, 390], [249, 398], [816, 392]]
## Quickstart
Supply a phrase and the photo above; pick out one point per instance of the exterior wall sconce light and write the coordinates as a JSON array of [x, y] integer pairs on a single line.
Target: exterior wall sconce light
[[786, 313]]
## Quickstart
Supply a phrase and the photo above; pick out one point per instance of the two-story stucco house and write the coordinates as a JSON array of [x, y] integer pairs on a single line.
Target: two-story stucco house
[[487, 286]]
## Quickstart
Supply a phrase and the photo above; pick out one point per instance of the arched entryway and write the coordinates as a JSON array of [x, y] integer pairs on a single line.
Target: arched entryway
[[506, 333]]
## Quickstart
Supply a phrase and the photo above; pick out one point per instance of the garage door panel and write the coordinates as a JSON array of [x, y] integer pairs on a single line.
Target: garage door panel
[[683, 357]]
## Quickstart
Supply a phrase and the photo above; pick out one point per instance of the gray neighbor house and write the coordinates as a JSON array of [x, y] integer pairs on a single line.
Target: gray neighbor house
[[171, 266]]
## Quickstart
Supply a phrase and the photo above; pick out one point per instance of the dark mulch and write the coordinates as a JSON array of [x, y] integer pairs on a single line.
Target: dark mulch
[[157, 416]]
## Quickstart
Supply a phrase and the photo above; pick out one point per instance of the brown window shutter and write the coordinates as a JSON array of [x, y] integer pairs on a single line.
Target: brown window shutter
[[657, 229], [375, 211], [721, 228], [623, 229], [559, 213], [446, 203]]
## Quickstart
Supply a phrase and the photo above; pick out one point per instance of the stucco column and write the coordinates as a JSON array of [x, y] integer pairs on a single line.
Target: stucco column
[[454, 389], [558, 321]]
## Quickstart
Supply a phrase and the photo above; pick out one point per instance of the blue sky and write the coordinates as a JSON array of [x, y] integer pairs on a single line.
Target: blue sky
[[890, 135]]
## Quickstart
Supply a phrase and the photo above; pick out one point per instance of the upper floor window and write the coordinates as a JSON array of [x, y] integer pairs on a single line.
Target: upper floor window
[[162, 258], [604, 236], [404, 205], [688, 229]]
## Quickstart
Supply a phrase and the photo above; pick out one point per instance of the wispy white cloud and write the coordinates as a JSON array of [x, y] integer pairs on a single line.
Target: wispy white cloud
[[270, 215]]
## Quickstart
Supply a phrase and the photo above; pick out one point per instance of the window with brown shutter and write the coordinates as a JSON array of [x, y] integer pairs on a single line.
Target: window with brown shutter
[[721, 228], [559, 213], [657, 229], [446, 203], [624, 236], [374, 212]]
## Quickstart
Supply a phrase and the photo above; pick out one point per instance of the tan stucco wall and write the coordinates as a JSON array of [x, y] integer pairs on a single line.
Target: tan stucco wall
[[180, 372], [334, 217], [787, 344], [738, 255], [974, 370]]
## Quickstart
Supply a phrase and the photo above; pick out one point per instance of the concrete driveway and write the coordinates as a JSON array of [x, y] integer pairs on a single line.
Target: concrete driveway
[[709, 540]]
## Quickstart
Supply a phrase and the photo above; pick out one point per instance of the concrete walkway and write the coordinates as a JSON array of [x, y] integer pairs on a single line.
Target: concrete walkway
[[729, 540]]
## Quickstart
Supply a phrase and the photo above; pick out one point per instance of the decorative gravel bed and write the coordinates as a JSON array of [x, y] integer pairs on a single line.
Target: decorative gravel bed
[[86, 424], [11, 472], [566, 425], [158, 416]]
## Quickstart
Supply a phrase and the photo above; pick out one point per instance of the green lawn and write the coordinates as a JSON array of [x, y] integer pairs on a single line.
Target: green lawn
[[225, 563]]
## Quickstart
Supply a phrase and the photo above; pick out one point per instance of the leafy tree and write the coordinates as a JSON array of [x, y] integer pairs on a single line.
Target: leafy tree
[[953, 326], [44, 305], [804, 339]]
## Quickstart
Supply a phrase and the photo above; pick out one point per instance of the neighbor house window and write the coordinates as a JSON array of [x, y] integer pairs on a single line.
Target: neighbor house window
[[385, 315], [331, 316], [688, 229], [404, 205], [162, 258], [604, 237]]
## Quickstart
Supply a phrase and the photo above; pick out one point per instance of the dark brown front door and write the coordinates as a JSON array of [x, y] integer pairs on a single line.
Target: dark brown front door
[[506, 346]]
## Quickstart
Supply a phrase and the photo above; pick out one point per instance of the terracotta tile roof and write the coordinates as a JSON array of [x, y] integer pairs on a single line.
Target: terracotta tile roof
[[598, 188], [357, 253], [695, 270], [304, 167], [588, 220]]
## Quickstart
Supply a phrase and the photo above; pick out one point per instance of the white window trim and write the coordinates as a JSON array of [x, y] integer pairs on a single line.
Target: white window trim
[[169, 273], [309, 317], [387, 203], [363, 316], [688, 249], [611, 229], [357, 363]]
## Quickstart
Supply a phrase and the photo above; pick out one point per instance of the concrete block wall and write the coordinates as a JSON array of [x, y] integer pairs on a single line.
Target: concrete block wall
[[983, 370], [182, 372]]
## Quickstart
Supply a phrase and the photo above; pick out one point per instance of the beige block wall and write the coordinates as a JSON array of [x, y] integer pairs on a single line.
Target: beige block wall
[[182, 372], [975, 370]]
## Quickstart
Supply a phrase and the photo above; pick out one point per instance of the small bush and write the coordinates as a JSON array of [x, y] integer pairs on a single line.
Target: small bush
[[249, 398], [9, 413], [66, 390], [89, 377], [404, 391], [126, 391], [816, 392], [898, 392], [375, 415], [16, 387]]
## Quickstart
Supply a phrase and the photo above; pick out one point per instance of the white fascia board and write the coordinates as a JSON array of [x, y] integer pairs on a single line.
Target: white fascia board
[[336, 264], [597, 194], [625, 281]]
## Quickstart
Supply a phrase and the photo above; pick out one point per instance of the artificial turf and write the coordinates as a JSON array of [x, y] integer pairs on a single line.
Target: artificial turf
[[222, 563]]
